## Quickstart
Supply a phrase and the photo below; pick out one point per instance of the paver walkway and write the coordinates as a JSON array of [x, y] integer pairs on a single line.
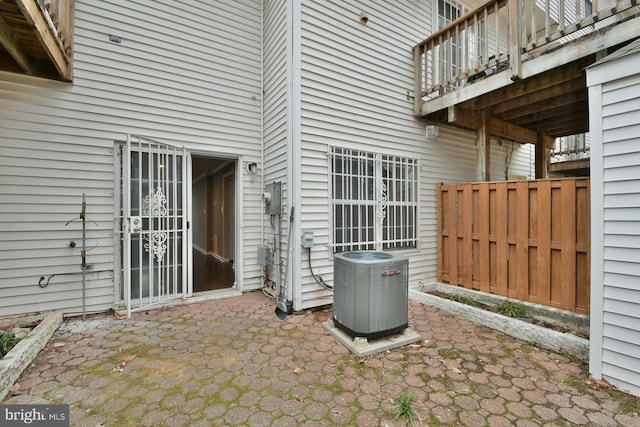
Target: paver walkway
[[231, 362]]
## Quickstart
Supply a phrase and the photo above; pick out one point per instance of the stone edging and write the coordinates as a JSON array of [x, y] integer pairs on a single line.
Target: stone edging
[[544, 337], [21, 356]]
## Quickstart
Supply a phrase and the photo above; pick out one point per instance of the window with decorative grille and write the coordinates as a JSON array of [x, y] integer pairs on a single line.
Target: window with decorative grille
[[374, 200]]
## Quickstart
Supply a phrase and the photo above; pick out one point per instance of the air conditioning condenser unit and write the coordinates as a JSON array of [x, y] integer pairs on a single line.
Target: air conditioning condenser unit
[[370, 293]]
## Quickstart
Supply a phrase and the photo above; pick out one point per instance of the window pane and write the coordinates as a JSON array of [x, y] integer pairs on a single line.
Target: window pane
[[374, 201]]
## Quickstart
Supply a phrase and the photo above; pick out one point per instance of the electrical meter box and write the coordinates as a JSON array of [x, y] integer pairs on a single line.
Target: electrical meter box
[[272, 198]]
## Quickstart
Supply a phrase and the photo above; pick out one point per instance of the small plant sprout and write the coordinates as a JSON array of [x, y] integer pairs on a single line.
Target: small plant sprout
[[404, 409]]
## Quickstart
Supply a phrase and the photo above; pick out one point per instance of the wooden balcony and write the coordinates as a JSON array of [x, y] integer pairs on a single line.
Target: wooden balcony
[[515, 68], [36, 38]]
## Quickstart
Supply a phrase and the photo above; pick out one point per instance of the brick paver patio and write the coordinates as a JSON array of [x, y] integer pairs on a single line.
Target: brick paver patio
[[231, 362]]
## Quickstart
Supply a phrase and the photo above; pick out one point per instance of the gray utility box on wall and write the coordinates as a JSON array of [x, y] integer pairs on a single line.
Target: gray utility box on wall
[[370, 293]]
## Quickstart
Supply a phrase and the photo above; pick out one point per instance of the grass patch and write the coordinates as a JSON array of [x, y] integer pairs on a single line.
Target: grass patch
[[7, 342], [446, 353], [510, 308], [404, 409], [459, 298]]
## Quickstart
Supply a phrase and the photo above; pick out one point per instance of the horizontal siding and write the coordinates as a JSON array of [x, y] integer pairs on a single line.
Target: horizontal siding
[[622, 200], [355, 79], [617, 280], [624, 379], [621, 213], [622, 267], [510, 158], [621, 240], [619, 337], [619, 325], [623, 353], [617, 161], [275, 90], [276, 131], [622, 254], [195, 82]]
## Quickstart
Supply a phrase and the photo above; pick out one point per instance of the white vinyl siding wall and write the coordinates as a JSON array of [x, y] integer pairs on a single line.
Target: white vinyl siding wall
[[509, 159], [275, 90], [614, 95], [186, 73], [355, 79], [277, 113]]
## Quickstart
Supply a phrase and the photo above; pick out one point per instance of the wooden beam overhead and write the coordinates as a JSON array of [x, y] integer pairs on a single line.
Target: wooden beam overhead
[[543, 120], [568, 126], [510, 102], [10, 43], [47, 37], [465, 118], [510, 131], [468, 119], [547, 108]]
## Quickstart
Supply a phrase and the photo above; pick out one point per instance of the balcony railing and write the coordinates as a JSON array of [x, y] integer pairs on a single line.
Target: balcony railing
[[502, 35], [570, 156], [570, 148]]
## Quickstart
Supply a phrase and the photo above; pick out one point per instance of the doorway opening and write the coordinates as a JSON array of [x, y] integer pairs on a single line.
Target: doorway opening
[[213, 223]]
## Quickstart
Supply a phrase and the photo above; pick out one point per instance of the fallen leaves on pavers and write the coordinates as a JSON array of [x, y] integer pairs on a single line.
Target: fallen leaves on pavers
[[119, 315], [15, 389], [122, 364], [420, 347], [395, 356], [455, 370], [602, 382]]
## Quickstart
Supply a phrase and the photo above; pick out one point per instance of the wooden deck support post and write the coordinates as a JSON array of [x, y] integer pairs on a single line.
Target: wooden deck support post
[[541, 158], [483, 139]]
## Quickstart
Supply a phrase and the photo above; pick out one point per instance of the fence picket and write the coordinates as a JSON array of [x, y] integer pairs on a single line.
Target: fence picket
[[568, 245], [483, 238], [502, 242], [543, 278], [466, 219]]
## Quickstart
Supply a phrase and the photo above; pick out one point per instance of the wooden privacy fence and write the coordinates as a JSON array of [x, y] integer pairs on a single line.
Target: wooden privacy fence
[[526, 240]]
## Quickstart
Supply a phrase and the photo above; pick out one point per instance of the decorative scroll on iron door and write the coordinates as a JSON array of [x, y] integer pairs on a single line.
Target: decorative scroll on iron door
[[155, 202]]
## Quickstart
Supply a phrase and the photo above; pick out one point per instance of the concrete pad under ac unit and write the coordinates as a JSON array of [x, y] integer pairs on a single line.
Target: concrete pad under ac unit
[[362, 347]]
